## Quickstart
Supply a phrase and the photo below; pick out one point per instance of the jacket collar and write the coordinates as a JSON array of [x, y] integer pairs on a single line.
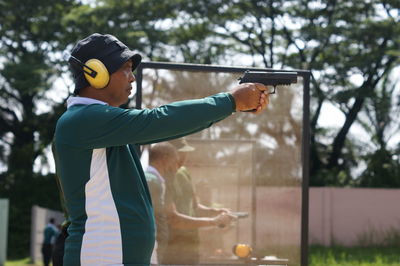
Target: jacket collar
[[74, 100]]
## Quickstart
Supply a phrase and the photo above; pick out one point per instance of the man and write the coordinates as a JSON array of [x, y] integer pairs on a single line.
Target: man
[[102, 180], [162, 163], [160, 174], [183, 244], [50, 232], [58, 250]]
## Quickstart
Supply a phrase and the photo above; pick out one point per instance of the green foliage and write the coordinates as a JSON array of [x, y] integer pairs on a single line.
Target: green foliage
[[139, 24], [351, 39], [334, 39], [354, 256], [39, 190], [27, 72], [382, 170], [375, 237]]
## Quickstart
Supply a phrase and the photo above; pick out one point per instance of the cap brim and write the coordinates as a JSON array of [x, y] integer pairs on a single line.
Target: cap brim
[[136, 60], [186, 148], [118, 59]]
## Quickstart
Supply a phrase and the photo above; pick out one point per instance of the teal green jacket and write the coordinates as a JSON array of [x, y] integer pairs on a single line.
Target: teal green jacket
[[102, 180]]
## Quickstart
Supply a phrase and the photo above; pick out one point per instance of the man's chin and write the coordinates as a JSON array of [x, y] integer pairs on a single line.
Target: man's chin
[[126, 103]]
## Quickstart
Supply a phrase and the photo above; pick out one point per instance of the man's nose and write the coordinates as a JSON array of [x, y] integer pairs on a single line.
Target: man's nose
[[132, 77]]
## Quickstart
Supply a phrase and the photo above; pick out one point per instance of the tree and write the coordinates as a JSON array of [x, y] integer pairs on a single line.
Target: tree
[[28, 47], [381, 121], [335, 39], [138, 24]]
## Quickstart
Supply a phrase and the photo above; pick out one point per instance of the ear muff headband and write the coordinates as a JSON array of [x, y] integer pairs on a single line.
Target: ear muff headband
[[102, 77], [94, 70]]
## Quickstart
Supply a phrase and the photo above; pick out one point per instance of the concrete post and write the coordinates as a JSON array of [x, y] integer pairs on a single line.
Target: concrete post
[[3, 230]]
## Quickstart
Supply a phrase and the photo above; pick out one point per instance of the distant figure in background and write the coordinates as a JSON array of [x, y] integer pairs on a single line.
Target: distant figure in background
[[58, 250], [184, 241], [160, 175], [163, 163], [50, 232]]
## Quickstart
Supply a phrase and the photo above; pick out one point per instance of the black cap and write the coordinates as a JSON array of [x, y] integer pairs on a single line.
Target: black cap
[[105, 47]]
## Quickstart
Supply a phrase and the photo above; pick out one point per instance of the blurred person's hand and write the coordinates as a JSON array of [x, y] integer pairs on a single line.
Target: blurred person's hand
[[224, 219], [221, 210]]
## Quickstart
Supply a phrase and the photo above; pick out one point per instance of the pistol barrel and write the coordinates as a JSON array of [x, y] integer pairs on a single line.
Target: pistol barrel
[[269, 78]]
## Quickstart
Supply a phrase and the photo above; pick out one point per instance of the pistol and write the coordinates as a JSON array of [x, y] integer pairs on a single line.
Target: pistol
[[269, 78]]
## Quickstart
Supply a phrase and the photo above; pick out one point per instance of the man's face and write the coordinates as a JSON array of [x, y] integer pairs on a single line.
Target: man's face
[[171, 164], [182, 157], [120, 87]]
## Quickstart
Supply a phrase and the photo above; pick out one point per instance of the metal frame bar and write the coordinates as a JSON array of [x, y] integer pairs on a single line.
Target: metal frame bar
[[305, 74], [306, 167]]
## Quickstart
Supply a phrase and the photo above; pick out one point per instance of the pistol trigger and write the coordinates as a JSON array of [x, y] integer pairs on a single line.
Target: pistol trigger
[[273, 92]]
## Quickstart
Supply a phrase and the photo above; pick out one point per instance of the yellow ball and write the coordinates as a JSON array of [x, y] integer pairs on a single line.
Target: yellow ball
[[242, 250]]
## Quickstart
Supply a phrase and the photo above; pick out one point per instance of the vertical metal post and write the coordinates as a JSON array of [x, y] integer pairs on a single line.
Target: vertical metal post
[[253, 202], [306, 163], [139, 79], [138, 104]]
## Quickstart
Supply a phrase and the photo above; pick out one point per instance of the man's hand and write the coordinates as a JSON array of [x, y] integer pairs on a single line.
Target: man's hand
[[221, 210], [250, 96], [224, 219]]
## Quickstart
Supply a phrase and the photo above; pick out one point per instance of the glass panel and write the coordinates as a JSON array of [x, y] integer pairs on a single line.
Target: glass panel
[[247, 163]]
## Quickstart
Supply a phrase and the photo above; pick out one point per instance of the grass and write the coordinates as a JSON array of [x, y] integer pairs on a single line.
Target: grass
[[354, 256], [323, 256], [21, 262]]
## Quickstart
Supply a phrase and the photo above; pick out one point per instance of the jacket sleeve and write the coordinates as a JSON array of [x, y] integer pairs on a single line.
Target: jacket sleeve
[[99, 126]]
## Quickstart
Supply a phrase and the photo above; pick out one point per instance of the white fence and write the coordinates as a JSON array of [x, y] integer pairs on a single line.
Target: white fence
[[337, 216], [353, 216], [40, 218]]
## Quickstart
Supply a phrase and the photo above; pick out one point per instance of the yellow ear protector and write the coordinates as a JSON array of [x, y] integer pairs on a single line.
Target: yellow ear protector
[[95, 72]]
